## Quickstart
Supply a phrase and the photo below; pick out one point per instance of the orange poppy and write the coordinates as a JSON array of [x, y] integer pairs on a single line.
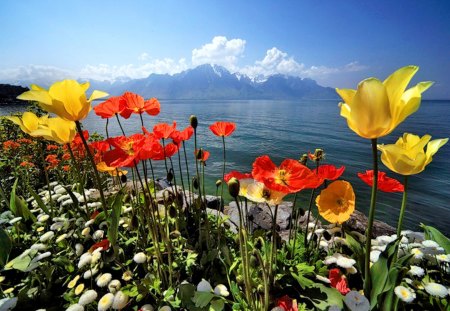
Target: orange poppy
[[289, 177], [153, 149], [179, 136], [330, 172], [385, 183], [135, 103], [237, 175], [202, 155], [164, 130], [337, 202], [222, 128], [126, 152], [109, 108]]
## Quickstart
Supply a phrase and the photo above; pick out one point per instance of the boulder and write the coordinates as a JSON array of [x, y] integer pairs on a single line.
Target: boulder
[[358, 222]]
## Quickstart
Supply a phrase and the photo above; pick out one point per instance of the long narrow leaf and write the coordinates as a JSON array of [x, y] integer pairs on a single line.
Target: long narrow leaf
[[5, 247], [38, 199], [113, 221]]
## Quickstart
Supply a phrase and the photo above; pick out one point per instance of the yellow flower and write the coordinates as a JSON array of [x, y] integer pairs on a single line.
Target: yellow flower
[[337, 202], [408, 156], [73, 282], [377, 108], [58, 130], [258, 192], [79, 289], [66, 98], [28, 122]]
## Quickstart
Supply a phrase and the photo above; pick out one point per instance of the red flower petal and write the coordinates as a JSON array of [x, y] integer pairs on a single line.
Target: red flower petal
[[385, 183], [164, 130], [222, 128], [330, 172], [237, 175], [110, 107]]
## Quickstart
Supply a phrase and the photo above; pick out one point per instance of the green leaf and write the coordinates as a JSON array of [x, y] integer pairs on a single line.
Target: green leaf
[[323, 296], [72, 197], [217, 305], [434, 234], [19, 206], [5, 247], [202, 299], [38, 199], [21, 262], [300, 271], [114, 217]]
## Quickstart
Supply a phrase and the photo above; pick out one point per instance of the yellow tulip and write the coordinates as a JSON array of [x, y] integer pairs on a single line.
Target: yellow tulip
[[28, 122], [376, 108], [408, 155], [259, 193], [66, 99], [58, 130]]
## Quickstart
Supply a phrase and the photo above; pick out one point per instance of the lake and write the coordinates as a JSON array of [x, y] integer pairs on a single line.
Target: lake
[[287, 129]]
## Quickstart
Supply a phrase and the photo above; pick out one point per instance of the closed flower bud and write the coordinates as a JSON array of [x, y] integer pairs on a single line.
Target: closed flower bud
[[199, 154], [218, 183], [123, 178], [304, 159], [194, 122], [170, 175], [234, 187], [318, 154], [195, 182]]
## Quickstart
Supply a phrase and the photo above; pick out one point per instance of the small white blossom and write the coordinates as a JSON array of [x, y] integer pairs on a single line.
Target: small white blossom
[[345, 262], [86, 231], [418, 255], [114, 286], [67, 202], [15, 220], [416, 271], [40, 257], [90, 273], [47, 236], [443, 258], [140, 258], [430, 243], [147, 307], [436, 289], [165, 308], [75, 307], [87, 297], [43, 218], [405, 294], [96, 255], [204, 286], [105, 302], [39, 247], [61, 237], [79, 249], [85, 259], [104, 279], [120, 300], [221, 290], [374, 256], [323, 279], [89, 222]]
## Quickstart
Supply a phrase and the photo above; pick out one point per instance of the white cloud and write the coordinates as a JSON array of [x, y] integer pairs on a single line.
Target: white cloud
[[33, 73], [220, 51], [144, 57]]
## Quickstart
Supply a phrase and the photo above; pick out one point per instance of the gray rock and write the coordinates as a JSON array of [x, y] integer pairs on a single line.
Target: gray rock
[[358, 222], [233, 227], [162, 183]]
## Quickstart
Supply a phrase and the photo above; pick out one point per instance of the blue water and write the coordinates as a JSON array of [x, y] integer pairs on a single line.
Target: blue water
[[287, 129]]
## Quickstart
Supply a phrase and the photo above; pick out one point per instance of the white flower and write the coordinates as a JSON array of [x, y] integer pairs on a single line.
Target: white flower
[[89, 222], [86, 231], [221, 290], [430, 243], [120, 300], [87, 297], [61, 237], [114, 286], [79, 289], [384, 239], [40, 257], [323, 279], [443, 258], [405, 294], [351, 270], [39, 247], [331, 259], [96, 255], [60, 190], [374, 256], [75, 307], [416, 271], [90, 273], [67, 202], [47, 236], [436, 289], [57, 226], [140, 258], [43, 218], [204, 286], [104, 279], [98, 235], [323, 244], [79, 249], [165, 308], [85, 259], [345, 262], [147, 307], [355, 301], [105, 302], [63, 197], [73, 282], [418, 255], [127, 275]]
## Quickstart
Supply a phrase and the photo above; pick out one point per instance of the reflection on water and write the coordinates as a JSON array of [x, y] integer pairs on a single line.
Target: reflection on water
[[287, 129]]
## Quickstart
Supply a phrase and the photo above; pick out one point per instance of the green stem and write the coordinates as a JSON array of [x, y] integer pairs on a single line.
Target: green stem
[[403, 208], [223, 174], [78, 170], [373, 200], [47, 180], [273, 256], [94, 167]]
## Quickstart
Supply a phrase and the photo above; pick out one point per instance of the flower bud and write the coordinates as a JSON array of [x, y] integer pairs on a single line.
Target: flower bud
[[304, 159], [170, 175], [194, 122], [218, 183], [234, 187], [195, 182], [318, 154], [123, 178], [199, 154]]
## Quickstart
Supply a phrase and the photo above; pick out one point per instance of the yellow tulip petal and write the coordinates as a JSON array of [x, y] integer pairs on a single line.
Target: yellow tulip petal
[[433, 147], [370, 111], [346, 95], [85, 86], [37, 88], [397, 82], [40, 96], [30, 121], [69, 97], [97, 94]]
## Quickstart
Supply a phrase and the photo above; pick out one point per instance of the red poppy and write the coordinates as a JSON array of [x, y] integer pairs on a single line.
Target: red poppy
[[290, 177], [330, 172], [153, 149], [202, 155], [110, 107], [135, 103], [126, 152], [385, 183], [179, 136], [100, 145], [237, 175], [104, 244], [338, 281], [164, 130], [221, 128], [94, 214], [287, 303]]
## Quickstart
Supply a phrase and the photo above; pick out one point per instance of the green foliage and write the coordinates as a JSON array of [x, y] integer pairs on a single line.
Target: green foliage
[[5, 247], [18, 205], [114, 217], [434, 234]]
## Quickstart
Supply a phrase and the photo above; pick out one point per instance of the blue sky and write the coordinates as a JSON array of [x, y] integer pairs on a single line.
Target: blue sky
[[337, 43]]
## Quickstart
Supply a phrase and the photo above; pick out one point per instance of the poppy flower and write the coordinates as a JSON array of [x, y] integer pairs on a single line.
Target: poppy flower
[[202, 155], [289, 177], [67, 99], [287, 303], [337, 202], [101, 146], [104, 244], [164, 130], [330, 172], [237, 175], [221, 128], [385, 183], [135, 103], [179, 136], [109, 108], [154, 150], [338, 281], [126, 152], [259, 193]]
